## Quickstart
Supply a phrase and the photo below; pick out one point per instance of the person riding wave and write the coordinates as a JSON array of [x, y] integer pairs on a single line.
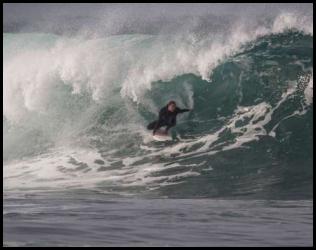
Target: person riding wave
[[167, 117]]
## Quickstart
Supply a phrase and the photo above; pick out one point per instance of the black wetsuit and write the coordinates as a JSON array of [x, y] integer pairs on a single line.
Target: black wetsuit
[[166, 118]]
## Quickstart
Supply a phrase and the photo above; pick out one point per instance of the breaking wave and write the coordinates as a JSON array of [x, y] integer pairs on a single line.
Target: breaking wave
[[76, 110]]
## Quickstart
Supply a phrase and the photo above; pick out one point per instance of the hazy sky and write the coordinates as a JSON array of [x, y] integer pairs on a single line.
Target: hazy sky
[[34, 10], [54, 16]]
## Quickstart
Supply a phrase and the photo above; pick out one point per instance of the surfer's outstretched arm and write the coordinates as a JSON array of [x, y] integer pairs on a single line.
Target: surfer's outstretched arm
[[183, 110]]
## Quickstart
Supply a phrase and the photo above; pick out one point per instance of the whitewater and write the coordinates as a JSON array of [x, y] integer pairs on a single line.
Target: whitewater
[[78, 162]]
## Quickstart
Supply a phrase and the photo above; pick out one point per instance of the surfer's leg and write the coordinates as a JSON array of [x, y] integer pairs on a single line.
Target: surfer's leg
[[152, 125], [158, 125], [170, 125]]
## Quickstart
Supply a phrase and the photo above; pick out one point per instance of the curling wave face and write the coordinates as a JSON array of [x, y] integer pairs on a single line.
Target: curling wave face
[[75, 112]]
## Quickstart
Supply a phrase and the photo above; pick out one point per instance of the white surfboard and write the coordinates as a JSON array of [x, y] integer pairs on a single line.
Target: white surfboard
[[160, 135]]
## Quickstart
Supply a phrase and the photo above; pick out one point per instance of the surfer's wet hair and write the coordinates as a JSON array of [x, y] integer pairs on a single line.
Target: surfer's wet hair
[[172, 102]]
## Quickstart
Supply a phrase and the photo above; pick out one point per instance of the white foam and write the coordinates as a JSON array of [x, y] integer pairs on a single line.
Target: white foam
[[130, 63], [308, 92], [290, 20], [66, 169]]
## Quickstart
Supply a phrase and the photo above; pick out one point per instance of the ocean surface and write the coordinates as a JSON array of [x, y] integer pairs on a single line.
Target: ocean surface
[[92, 220], [80, 168]]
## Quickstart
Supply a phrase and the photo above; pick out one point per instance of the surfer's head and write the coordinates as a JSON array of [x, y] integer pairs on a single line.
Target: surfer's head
[[172, 106]]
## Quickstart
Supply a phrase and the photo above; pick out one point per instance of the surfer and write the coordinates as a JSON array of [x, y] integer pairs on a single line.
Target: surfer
[[167, 117]]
